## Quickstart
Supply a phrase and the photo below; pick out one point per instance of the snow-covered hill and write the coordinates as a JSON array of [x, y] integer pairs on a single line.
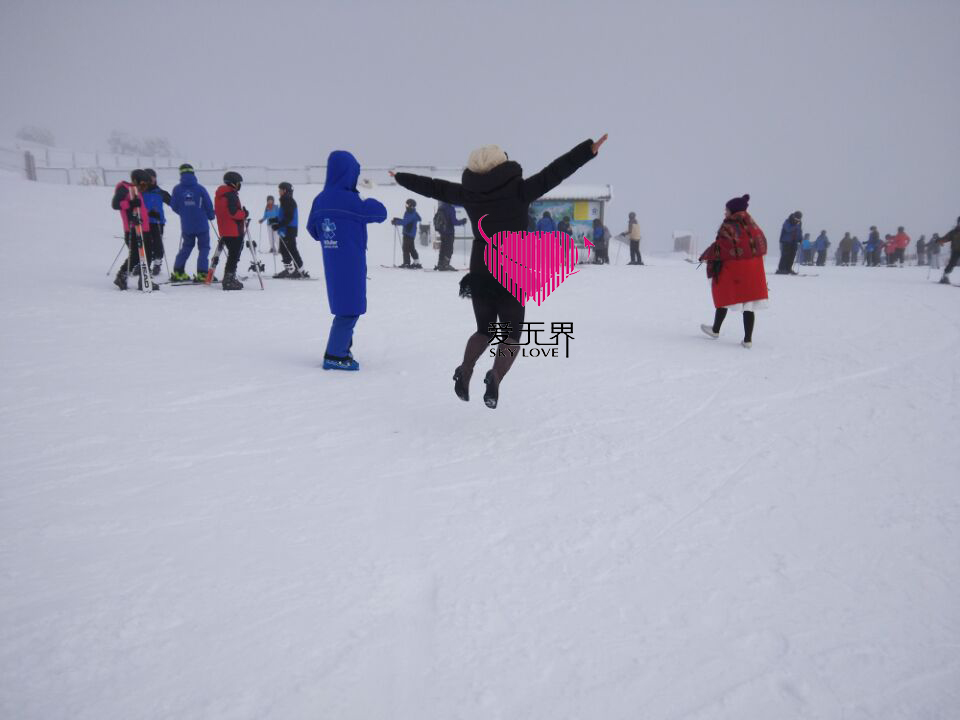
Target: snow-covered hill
[[196, 521]]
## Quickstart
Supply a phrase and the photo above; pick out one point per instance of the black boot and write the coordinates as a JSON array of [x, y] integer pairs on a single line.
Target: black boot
[[121, 279], [506, 354], [476, 344], [230, 282]]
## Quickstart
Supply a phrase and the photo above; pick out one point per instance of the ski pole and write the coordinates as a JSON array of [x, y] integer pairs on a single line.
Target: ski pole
[[619, 248], [116, 258], [164, 249], [396, 235]]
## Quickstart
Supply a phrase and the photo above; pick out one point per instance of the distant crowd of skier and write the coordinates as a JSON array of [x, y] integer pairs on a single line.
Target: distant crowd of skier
[[889, 252], [492, 188], [797, 248]]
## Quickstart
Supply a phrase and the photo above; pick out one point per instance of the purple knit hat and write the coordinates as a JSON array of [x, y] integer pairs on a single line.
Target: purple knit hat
[[738, 204]]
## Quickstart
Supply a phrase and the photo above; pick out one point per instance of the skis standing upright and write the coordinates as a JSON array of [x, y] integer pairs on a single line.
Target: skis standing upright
[[216, 256], [253, 252], [146, 281]]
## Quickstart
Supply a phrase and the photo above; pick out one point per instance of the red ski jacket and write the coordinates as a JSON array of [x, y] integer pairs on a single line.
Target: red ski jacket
[[230, 214]]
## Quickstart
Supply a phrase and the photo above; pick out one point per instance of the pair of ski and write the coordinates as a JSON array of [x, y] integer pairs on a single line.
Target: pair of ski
[[146, 279], [400, 267], [252, 246]]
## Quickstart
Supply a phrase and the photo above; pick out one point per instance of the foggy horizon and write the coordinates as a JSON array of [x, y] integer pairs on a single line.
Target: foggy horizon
[[844, 111]]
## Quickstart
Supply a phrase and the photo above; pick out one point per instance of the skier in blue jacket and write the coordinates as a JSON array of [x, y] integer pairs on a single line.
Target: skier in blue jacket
[[409, 223], [790, 235], [807, 247], [338, 220], [270, 213], [447, 214], [821, 244], [546, 223], [153, 199], [192, 203], [287, 225]]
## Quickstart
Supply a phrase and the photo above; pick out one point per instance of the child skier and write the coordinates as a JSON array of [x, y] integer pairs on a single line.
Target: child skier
[[287, 225], [129, 206], [231, 223], [154, 199], [409, 222], [270, 213], [338, 219]]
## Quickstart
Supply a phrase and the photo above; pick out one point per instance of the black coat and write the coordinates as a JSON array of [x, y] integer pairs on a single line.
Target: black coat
[[502, 194]]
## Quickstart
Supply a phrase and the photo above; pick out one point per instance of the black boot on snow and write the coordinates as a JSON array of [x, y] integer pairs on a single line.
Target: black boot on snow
[[282, 275], [230, 282], [492, 394], [153, 285], [461, 383], [121, 279]]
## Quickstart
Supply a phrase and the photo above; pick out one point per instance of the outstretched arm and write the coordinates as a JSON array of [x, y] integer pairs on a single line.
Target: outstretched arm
[[560, 169], [431, 187]]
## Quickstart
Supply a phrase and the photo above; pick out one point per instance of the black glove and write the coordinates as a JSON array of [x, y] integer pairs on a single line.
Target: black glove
[[135, 202], [274, 225], [260, 221], [246, 213]]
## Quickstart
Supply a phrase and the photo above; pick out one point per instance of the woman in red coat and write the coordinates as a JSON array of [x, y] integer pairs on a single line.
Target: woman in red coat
[[735, 264]]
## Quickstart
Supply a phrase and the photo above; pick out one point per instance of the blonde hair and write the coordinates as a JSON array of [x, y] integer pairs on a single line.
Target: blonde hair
[[486, 158]]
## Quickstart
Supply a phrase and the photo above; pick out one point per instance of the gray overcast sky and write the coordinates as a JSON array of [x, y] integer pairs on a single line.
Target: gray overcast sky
[[846, 110]]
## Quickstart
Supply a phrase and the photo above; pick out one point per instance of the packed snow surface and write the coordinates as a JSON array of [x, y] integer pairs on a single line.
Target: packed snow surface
[[197, 521]]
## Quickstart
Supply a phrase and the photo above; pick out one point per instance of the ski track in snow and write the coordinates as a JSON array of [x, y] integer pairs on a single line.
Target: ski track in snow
[[198, 522]]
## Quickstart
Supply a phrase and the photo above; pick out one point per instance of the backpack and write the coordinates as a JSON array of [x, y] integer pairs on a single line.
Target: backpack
[[440, 223]]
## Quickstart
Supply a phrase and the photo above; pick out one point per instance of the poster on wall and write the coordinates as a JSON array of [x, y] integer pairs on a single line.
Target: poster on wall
[[581, 214]]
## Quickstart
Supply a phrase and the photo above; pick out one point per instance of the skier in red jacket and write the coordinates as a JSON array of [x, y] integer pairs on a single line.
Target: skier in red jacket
[[231, 224]]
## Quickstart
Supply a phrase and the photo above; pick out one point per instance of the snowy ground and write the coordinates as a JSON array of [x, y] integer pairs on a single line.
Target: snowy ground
[[198, 522]]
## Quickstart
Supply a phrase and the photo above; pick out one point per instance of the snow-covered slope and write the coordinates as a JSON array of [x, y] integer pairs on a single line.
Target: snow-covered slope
[[196, 521]]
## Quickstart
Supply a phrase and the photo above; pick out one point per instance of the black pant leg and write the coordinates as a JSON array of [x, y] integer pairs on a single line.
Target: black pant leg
[[293, 251], [234, 247], [446, 248], [954, 258]]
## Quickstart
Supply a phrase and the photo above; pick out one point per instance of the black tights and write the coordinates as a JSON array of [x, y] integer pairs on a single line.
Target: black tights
[[748, 320], [488, 307]]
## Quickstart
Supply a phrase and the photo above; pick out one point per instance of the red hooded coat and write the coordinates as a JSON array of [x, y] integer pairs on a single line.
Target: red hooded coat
[[735, 262]]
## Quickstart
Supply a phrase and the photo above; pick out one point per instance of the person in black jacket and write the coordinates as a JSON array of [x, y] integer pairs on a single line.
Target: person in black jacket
[[286, 226], [494, 186]]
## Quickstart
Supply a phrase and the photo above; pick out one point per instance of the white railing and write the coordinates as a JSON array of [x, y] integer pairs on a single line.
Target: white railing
[[55, 165]]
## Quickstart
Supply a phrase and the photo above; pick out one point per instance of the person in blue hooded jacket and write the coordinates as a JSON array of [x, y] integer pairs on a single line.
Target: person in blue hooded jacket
[[449, 222], [191, 201], [546, 223], [338, 220], [807, 248], [409, 223], [790, 236], [821, 244]]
